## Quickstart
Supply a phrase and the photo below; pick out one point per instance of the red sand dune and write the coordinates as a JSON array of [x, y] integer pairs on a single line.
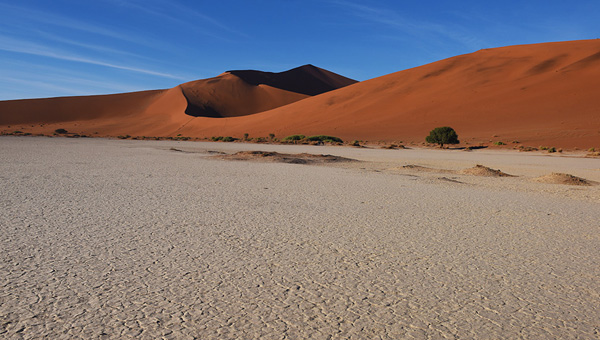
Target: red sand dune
[[164, 112], [541, 94]]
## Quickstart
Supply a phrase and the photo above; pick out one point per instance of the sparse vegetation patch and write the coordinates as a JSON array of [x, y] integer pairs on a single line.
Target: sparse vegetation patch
[[325, 138], [294, 138]]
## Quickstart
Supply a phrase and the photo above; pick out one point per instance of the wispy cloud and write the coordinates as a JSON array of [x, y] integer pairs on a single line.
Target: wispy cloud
[[95, 47], [29, 16], [182, 15], [47, 86], [21, 79], [418, 28], [13, 45]]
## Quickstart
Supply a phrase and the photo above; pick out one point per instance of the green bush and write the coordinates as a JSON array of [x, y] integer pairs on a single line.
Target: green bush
[[442, 135], [228, 139], [324, 138], [294, 138]]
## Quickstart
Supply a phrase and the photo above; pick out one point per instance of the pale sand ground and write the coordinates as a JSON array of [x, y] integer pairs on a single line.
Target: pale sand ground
[[118, 239]]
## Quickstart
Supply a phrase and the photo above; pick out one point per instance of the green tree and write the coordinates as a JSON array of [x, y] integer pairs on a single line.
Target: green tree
[[442, 135]]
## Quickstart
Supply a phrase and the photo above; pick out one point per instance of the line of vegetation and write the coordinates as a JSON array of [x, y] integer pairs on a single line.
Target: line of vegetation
[[223, 139], [317, 139], [324, 138]]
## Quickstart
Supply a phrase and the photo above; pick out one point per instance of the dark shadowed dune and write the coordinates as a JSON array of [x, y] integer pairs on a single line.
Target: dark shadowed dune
[[308, 79]]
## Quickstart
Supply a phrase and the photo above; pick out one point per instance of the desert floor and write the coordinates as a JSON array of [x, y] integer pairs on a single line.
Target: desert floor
[[151, 239]]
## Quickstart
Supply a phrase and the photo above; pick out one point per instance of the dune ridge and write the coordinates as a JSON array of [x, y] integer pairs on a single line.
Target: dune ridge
[[538, 95], [541, 94]]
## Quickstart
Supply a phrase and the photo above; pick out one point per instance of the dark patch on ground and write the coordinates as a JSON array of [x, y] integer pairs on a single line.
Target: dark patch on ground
[[269, 156]]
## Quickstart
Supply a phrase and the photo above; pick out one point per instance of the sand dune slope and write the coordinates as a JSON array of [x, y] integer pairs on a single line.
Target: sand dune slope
[[65, 109], [229, 96], [542, 93], [163, 112]]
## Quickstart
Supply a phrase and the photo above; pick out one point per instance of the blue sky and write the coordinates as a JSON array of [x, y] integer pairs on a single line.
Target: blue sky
[[75, 47]]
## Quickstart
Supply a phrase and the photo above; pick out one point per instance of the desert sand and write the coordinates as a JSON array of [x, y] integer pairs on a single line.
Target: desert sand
[[116, 239], [538, 95]]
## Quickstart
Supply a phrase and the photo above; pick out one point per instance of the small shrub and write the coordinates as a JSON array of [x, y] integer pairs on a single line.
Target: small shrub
[[216, 139], [271, 136], [526, 148], [499, 143], [551, 149], [16, 132], [246, 136], [442, 135], [228, 139], [61, 131], [294, 138], [355, 143], [324, 138]]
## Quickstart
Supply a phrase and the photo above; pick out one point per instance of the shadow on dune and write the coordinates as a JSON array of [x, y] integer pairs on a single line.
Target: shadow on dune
[[307, 79], [237, 93]]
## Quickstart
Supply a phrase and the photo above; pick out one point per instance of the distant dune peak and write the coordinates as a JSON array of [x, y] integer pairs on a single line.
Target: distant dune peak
[[244, 92], [307, 79]]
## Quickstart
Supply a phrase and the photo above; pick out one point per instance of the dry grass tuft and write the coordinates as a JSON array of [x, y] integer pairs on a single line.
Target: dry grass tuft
[[595, 154]]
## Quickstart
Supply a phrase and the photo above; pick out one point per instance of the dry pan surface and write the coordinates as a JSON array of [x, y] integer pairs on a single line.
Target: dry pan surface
[[128, 239]]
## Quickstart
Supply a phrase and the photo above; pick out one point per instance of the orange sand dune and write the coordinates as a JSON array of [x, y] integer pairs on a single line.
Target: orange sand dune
[[240, 93], [162, 112], [541, 94], [69, 109], [229, 96]]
